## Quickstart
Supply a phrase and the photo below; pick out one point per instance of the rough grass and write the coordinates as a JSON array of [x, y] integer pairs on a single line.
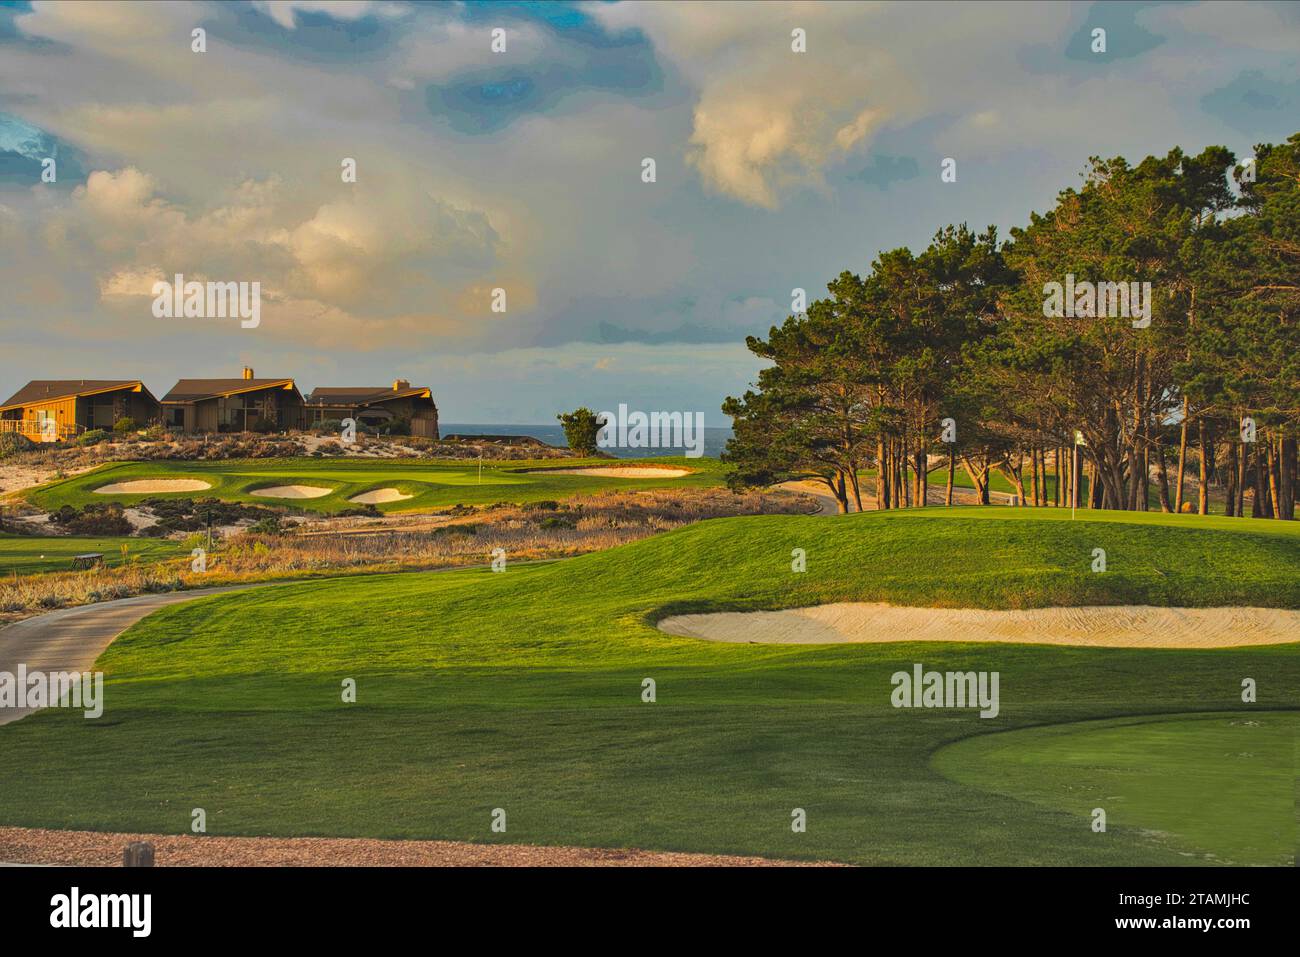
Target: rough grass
[[433, 484], [522, 690]]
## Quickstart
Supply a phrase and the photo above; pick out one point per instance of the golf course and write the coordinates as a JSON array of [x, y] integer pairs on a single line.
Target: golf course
[[330, 485], [524, 691]]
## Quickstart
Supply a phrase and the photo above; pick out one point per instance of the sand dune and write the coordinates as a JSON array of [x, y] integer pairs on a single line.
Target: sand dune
[[152, 485], [1103, 626], [291, 491], [379, 496]]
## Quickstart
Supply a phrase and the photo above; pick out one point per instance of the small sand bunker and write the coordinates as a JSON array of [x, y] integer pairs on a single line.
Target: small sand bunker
[[291, 491], [379, 496], [625, 471], [1099, 626], [152, 485]]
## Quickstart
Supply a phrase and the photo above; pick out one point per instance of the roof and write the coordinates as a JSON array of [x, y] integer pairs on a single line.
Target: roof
[[194, 390], [363, 394], [48, 390]]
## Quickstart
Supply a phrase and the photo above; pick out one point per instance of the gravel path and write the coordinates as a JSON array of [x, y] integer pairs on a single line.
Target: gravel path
[[19, 845]]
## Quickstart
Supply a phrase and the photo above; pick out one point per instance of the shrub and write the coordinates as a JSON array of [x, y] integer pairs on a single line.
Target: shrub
[[263, 426], [92, 437], [12, 442], [543, 506], [268, 526], [124, 425], [98, 519]]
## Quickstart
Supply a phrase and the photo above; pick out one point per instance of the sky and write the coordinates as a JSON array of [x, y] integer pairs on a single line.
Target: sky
[[522, 169]]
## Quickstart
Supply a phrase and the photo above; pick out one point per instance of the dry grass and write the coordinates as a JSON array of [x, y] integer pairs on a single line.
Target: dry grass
[[355, 545]]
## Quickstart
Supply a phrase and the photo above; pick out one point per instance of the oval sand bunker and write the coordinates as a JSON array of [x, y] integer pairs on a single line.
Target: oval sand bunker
[[626, 471], [152, 485], [291, 491], [1099, 626], [379, 496]]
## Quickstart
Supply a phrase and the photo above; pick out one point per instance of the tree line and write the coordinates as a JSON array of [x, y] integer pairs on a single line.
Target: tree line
[[1142, 331]]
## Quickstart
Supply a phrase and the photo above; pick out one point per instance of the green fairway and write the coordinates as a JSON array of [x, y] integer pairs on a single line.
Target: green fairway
[[29, 554], [430, 484], [523, 691], [1222, 782]]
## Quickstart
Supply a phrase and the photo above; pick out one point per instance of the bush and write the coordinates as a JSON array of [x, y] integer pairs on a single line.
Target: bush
[[92, 437], [13, 442], [155, 433], [97, 519], [124, 425], [270, 525], [263, 426]]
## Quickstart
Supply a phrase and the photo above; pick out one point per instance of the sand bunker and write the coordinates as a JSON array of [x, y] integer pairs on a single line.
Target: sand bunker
[[152, 485], [1101, 626], [379, 496], [626, 471], [291, 491]]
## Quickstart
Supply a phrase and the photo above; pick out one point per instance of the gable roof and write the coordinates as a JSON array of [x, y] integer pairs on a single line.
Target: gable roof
[[195, 390], [363, 394], [49, 390]]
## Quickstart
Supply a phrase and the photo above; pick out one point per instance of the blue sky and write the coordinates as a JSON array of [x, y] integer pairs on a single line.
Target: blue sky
[[521, 170]]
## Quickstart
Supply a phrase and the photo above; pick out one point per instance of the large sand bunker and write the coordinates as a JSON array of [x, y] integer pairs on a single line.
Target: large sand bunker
[[291, 491], [142, 486], [623, 471], [379, 496], [1101, 626]]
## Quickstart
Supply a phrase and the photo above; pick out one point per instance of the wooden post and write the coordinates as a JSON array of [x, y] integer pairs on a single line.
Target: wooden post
[[138, 854]]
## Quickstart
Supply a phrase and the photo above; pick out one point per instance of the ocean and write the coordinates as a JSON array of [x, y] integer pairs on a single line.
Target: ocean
[[715, 439]]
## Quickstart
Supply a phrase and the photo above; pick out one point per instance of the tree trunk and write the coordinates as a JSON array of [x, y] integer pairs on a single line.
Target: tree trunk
[[1203, 493], [1033, 479], [882, 474], [1287, 477], [1259, 506], [1243, 463], [952, 472], [1182, 459], [1230, 502], [1163, 475]]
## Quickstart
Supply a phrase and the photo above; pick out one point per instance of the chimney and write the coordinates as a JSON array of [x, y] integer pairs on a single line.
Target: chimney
[[400, 384], [248, 373]]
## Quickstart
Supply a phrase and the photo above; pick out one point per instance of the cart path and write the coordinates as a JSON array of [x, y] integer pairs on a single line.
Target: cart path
[[70, 639]]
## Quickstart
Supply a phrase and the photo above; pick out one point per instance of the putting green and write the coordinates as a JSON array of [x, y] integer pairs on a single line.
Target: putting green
[[1219, 787]]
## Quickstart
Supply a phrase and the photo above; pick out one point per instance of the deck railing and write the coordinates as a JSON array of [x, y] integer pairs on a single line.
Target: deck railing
[[34, 431]]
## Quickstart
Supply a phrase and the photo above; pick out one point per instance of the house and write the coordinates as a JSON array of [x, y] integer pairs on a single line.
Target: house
[[375, 406], [49, 410], [247, 404]]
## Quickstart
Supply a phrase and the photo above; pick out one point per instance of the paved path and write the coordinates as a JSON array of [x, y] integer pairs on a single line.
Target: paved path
[[72, 638]]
